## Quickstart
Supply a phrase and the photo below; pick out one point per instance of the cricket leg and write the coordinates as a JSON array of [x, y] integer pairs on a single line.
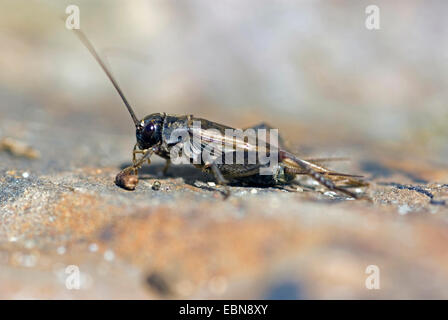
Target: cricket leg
[[350, 180], [220, 179], [292, 162], [321, 160], [167, 165], [137, 164], [128, 177], [145, 158], [135, 152]]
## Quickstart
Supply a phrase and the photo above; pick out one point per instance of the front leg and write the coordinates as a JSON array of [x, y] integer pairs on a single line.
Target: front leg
[[136, 164], [128, 177]]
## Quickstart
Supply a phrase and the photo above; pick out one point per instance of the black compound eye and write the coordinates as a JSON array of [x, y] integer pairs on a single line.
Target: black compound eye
[[150, 128], [149, 133]]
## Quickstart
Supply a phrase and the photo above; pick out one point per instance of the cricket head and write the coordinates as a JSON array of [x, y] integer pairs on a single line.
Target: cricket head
[[149, 131]]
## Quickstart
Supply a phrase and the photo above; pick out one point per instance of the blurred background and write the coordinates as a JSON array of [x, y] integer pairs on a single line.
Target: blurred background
[[308, 64], [310, 68]]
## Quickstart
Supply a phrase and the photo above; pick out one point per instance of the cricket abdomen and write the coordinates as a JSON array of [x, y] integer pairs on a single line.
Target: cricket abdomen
[[253, 176]]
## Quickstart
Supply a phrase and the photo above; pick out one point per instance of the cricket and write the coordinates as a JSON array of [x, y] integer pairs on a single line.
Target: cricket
[[158, 134]]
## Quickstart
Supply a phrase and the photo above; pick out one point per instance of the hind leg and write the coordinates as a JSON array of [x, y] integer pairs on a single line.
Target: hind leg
[[291, 163]]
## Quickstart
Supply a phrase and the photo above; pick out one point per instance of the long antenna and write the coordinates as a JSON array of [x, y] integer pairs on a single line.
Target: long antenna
[[92, 50]]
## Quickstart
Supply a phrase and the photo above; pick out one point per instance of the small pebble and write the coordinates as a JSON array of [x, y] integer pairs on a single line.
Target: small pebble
[[18, 148], [254, 191], [404, 209], [126, 180], [80, 190], [61, 250], [156, 185], [29, 244], [93, 247], [109, 255], [25, 175], [211, 184], [29, 260]]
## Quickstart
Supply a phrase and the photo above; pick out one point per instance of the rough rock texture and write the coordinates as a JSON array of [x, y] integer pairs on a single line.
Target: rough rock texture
[[373, 97], [184, 241]]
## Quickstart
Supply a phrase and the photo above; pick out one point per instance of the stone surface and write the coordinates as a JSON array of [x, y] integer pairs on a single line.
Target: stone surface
[[182, 240]]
